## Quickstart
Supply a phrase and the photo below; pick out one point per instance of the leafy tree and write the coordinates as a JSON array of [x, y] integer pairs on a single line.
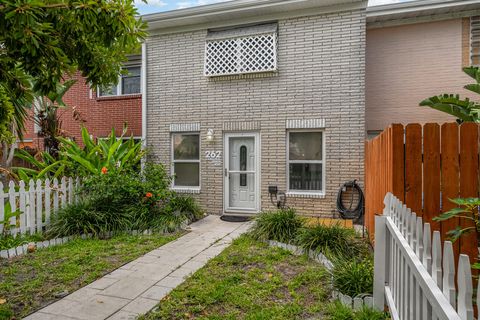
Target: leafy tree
[[464, 109], [42, 40]]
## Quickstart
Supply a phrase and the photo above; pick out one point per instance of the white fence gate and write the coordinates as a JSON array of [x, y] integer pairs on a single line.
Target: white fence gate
[[414, 277], [27, 207]]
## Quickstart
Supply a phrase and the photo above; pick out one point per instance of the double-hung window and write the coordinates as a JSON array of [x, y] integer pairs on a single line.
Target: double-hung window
[[186, 160], [306, 164], [128, 83]]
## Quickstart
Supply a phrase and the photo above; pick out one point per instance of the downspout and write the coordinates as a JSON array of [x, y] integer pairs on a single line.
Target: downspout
[[144, 97]]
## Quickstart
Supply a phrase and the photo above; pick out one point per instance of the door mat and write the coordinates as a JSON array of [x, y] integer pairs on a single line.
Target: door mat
[[235, 218]]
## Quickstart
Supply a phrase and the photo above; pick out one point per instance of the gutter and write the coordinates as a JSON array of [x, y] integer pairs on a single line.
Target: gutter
[[245, 11], [144, 95]]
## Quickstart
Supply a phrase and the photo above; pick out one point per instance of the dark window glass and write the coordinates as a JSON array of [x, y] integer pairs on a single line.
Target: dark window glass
[[131, 81], [243, 166], [187, 174], [306, 176], [186, 147], [306, 146]]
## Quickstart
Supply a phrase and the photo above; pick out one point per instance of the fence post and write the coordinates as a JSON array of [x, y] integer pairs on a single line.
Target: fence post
[[380, 262]]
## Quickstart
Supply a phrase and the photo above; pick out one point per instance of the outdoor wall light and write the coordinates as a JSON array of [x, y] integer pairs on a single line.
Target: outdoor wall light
[[210, 134]]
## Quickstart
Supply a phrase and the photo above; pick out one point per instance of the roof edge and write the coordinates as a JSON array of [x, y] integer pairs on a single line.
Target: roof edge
[[240, 9], [420, 7]]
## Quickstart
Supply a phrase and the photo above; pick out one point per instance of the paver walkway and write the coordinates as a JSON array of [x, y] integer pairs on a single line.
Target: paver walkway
[[138, 286]]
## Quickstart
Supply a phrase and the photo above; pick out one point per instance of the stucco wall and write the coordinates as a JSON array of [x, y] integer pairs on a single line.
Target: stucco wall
[[406, 64], [321, 76]]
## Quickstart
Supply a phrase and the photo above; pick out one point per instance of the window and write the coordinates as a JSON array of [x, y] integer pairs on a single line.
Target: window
[[127, 84], [186, 160], [241, 50], [306, 163]]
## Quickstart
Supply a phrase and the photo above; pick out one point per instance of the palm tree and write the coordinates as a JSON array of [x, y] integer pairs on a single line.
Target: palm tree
[[464, 109]]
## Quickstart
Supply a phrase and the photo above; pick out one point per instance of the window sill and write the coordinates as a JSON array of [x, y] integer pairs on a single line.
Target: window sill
[[186, 190], [120, 97], [298, 194]]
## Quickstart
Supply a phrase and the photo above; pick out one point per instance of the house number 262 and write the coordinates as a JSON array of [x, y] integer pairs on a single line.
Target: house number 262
[[213, 155]]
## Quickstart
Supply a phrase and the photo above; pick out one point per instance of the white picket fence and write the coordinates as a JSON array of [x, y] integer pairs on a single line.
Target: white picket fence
[[35, 201], [414, 277]]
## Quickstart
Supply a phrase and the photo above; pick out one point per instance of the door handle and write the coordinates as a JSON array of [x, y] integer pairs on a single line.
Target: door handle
[[226, 172]]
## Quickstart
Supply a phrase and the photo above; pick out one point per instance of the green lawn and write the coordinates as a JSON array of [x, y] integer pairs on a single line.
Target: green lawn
[[250, 280], [31, 281]]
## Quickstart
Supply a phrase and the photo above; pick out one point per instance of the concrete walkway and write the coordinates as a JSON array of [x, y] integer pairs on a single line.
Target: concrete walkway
[[138, 286]]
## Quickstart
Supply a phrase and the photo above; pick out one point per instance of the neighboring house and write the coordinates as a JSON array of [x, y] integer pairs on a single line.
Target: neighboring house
[[99, 110], [416, 50], [244, 95]]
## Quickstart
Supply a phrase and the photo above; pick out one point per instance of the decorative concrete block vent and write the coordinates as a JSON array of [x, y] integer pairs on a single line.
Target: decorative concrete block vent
[[24, 249], [355, 303]]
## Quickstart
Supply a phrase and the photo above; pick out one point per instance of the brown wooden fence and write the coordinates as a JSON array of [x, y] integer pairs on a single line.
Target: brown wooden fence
[[424, 166]]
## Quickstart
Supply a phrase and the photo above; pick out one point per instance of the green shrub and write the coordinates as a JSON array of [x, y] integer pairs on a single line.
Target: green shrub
[[353, 277], [82, 218], [186, 206], [338, 311], [280, 225], [333, 240], [126, 200]]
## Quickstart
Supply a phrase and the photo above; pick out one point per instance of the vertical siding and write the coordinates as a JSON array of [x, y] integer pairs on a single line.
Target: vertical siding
[[406, 64], [321, 63]]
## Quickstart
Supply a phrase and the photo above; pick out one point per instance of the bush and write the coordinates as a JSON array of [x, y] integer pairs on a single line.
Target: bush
[[186, 206], [281, 225], [338, 311], [353, 277], [333, 240], [82, 218], [126, 200]]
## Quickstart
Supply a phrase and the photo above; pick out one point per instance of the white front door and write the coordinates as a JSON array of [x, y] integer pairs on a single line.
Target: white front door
[[241, 172]]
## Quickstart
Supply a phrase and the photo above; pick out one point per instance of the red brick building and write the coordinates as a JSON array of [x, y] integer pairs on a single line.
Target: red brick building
[[98, 110]]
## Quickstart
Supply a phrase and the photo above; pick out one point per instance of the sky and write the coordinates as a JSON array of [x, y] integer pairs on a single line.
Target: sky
[[167, 5]]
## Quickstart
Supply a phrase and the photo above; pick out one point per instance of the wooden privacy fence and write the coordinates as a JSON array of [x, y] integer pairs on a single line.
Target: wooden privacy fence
[[413, 276], [28, 207], [424, 166]]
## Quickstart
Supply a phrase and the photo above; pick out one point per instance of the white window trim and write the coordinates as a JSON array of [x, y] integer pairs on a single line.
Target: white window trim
[[119, 85], [310, 193], [185, 189]]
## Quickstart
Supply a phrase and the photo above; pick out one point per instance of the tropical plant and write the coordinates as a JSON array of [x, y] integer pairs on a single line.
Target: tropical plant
[[110, 154], [281, 225], [333, 240], [8, 213], [468, 209], [464, 109], [353, 277], [48, 119]]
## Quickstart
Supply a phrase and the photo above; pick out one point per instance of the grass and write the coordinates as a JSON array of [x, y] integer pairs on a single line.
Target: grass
[[250, 281], [31, 281]]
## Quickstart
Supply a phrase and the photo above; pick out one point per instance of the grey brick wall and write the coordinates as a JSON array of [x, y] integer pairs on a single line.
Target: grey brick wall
[[321, 75]]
